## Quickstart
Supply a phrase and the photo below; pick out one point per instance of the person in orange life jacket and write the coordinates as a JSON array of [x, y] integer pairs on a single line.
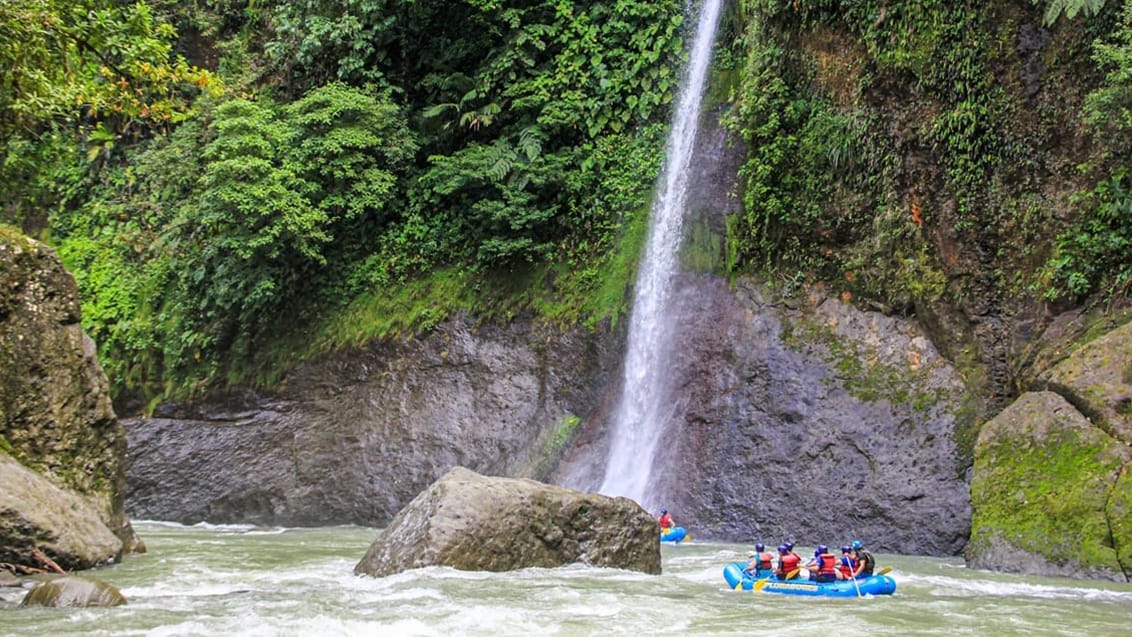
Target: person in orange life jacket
[[790, 549], [847, 565], [824, 568], [865, 560], [788, 562], [760, 562], [665, 520]]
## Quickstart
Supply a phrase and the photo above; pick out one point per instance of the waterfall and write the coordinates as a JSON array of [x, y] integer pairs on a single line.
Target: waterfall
[[644, 408]]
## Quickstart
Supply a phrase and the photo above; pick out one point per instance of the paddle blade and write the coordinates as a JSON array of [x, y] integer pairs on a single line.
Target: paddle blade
[[884, 571], [760, 584], [792, 574]]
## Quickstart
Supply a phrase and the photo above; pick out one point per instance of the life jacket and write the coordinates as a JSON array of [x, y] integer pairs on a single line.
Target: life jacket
[[665, 521], [847, 565], [766, 561], [868, 560], [827, 564], [788, 563]]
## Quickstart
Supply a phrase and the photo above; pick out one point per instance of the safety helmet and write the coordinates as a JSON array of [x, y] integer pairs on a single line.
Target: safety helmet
[[782, 548], [846, 549], [663, 511], [789, 546], [857, 544], [760, 547], [823, 548]]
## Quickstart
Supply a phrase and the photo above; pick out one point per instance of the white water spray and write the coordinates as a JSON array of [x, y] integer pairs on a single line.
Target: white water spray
[[644, 409]]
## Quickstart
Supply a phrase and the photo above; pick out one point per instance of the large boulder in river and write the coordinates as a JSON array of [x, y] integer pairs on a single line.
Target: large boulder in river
[[1097, 379], [37, 514], [74, 592], [477, 523], [1050, 490], [1051, 493], [56, 419]]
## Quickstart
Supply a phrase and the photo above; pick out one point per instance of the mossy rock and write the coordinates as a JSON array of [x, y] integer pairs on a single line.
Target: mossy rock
[[1097, 379], [1046, 490], [1119, 511], [74, 592]]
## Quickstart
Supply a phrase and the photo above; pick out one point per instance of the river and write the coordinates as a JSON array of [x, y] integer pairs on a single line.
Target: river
[[239, 580]]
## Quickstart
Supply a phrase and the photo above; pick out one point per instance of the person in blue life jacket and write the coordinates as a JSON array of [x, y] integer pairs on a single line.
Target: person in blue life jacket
[[760, 562], [824, 568], [866, 563]]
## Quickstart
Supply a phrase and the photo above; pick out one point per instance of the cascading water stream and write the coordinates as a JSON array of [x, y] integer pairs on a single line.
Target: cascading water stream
[[643, 411]]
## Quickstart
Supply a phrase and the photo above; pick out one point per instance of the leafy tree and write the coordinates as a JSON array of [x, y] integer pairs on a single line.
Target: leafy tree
[[92, 57], [1069, 8], [277, 184], [100, 69]]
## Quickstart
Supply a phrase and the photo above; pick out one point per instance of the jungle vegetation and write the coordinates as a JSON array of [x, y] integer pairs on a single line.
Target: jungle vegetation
[[239, 185]]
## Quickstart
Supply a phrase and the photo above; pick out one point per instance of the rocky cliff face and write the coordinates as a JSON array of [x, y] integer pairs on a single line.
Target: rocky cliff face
[[806, 419], [819, 422], [353, 437], [56, 422]]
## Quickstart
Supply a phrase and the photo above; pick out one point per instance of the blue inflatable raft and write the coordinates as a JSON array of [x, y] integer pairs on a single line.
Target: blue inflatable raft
[[676, 534], [872, 585]]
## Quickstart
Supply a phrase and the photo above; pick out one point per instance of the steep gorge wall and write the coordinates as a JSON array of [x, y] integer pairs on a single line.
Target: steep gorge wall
[[773, 421], [965, 150], [354, 436]]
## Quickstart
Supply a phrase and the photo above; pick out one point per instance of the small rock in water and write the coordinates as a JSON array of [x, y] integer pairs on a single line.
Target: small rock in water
[[74, 592]]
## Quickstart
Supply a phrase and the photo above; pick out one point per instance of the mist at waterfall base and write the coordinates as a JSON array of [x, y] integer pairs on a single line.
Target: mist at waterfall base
[[241, 580], [644, 409]]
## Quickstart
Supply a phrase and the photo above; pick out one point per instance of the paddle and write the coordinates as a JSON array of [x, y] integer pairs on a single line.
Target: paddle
[[793, 573], [853, 577], [884, 571]]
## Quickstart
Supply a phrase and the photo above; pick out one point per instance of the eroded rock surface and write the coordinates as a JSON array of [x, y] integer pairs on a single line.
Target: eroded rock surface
[[478, 523], [56, 420]]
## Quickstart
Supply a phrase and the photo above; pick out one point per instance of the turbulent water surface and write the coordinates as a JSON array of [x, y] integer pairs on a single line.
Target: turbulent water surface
[[246, 581]]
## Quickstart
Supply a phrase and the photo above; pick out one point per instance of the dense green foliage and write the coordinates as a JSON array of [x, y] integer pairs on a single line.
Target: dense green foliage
[[1093, 252], [357, 168], [891, 156], [369, 167]]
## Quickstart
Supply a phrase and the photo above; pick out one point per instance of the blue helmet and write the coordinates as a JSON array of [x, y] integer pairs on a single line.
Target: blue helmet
[[782, 548], [760, 547], [857, 545], [789, 546], [823, 548], [846, 549], [663, 511]]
